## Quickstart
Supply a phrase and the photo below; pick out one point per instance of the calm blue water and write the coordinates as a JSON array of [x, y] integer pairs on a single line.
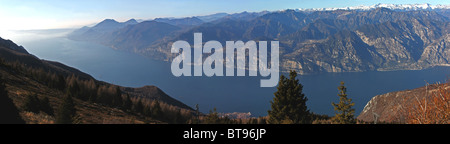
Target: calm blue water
[[227, 94]]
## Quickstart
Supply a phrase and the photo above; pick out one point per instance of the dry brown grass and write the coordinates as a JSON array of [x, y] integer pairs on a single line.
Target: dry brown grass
[[434, 109], [41, 118], [89, 113]]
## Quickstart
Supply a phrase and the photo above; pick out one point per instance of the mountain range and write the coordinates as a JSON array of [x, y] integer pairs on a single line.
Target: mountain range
[[401, 7], [374, 38]]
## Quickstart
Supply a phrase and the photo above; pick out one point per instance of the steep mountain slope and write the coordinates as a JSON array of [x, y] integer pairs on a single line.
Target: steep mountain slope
[[100, 31], [220, 17], [394, 41], [323, 41], [246, 16], [9, 54], [392, 45], [11, 45], [212, 17], [181, 22], [8, 111], [154, 93], [109, 25], [140, 35], [24, 75], [396, 107]]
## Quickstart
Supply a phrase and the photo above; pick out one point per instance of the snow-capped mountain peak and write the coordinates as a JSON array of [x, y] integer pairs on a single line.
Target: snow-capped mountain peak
[[403, 7]]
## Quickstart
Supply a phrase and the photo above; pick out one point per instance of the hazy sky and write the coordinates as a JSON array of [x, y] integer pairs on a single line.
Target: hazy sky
[[48, 14]]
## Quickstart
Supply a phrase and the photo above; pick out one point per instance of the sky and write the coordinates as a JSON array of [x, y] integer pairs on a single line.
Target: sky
[[54, 14]]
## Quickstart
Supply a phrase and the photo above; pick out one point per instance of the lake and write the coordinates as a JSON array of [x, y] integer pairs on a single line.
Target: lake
[[227, 94]]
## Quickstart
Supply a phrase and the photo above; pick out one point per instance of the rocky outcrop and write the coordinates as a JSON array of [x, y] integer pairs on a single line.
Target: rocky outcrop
[[392, 107]]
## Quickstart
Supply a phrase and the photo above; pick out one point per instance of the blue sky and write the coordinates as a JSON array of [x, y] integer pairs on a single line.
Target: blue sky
[[47, 14]]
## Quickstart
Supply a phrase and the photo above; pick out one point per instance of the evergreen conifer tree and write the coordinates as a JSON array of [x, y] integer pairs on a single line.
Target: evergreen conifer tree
[[212, 117], [179, 119], [289, 103], [157, 111], [45, 106], [344, 112], [66, 112], [127, 103], [139, 107], [147, 111], [117, 98], [32, 104]]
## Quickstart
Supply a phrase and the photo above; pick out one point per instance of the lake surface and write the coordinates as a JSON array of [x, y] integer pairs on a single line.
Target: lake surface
[[227, 94]]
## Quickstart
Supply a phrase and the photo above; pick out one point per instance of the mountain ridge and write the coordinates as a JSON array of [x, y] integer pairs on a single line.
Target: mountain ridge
[[25, 74], [405, 7], [414, 37]]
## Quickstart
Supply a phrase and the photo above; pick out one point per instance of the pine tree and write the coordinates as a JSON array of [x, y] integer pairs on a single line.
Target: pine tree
[[8, 111], [289, 103], [197, 114], [139, 107], [147, 111], [127, 103], [32, 104], [252, 121], [73, 88], [117, 98], [344, 111], [212, 117], [102, 95], [66, 112], [92, 90], [261, 120], [61, 82], [45, 106], [157, 111], [179, 119]]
